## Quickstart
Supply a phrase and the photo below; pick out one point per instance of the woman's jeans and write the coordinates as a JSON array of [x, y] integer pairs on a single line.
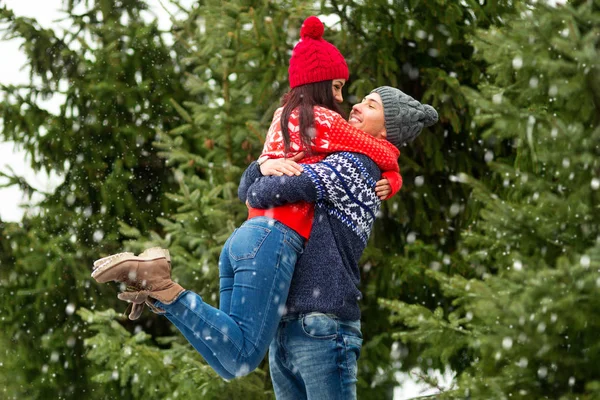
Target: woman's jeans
[[314, 356], [255, 270]]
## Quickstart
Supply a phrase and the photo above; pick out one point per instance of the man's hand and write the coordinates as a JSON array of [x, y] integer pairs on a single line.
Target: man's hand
[[282, 166], [383, 189]]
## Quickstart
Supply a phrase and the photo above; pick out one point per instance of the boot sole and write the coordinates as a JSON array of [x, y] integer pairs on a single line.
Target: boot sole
[[112, 261], [103, 260]]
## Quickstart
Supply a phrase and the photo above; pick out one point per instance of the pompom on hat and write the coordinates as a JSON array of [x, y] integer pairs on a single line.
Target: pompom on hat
[[404, 116], [314, 59]]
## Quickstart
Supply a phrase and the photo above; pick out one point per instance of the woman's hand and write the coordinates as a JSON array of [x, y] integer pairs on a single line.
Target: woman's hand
[[383, 189], [282, 166]]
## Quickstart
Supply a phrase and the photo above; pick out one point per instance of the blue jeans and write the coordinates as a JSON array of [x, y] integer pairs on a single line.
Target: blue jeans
[[314, 356], [255, 269]]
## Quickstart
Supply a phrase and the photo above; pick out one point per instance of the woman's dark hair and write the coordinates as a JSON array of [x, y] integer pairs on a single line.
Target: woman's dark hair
[[304, 98]]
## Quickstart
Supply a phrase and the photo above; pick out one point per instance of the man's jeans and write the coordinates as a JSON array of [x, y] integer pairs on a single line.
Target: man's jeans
[[256, 268], [314, 356]]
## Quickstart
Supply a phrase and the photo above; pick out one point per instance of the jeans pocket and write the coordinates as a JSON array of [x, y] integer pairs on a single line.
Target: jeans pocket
[[319, 326], [246, 241], [352, 347], [294, 244]]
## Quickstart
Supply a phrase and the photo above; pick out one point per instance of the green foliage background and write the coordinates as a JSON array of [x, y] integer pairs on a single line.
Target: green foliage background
[[485, 264]]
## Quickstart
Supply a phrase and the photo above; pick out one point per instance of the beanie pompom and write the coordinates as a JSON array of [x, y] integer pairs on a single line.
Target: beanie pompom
[[312, 28], [431, 115]]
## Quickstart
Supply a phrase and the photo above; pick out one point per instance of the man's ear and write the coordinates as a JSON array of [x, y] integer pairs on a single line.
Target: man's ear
[[382, 134]]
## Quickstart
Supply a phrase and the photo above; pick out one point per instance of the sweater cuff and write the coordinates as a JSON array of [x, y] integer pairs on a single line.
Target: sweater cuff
[[395, 180], [255, 170]]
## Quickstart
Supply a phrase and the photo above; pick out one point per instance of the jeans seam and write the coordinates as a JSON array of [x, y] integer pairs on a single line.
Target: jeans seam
[[298, 247], [346, 350], [282, 349], [215, 328], [273, 224], [293, 245], [341, 370], [224, 367], [277, 271]]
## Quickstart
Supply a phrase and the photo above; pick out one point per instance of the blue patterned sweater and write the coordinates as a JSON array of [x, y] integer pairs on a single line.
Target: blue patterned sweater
[[342, 186]]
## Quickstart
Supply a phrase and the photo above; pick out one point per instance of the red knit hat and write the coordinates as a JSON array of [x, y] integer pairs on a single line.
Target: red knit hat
[[314, 59]]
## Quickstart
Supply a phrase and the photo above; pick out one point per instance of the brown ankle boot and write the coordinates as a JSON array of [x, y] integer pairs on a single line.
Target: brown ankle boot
[[149, 272]]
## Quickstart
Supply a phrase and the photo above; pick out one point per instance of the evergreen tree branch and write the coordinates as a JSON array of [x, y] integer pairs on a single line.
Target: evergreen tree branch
[[21, 182], [342, 13]]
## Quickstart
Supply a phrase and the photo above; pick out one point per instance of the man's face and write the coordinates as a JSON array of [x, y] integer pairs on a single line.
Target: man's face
[[368, 116]]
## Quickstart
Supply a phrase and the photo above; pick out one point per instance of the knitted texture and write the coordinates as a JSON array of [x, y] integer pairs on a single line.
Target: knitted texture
[[314, 59], [346, 191], [405, 117], [327, 274]]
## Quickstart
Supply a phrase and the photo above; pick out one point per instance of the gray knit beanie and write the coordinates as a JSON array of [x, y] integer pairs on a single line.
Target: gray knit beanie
[[405, 117]]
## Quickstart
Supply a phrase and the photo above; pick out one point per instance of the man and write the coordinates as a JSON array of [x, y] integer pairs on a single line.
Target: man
[[314, 353]]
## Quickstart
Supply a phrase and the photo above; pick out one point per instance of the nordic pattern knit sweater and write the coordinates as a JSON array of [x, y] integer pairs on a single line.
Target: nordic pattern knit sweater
[[342, 186]]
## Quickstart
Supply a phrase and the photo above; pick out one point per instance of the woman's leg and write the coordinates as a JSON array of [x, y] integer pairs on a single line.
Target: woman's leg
[[201, 348], [262, 254], [226, 289]]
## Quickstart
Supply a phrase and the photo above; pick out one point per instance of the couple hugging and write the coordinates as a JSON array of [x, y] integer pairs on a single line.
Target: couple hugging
[[289, 275]]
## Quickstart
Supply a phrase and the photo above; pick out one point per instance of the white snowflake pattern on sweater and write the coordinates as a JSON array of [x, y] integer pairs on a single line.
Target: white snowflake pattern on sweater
[[347, 192]]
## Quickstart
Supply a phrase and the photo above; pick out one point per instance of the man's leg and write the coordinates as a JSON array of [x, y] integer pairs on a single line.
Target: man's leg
[[323, 351], [287, 383]]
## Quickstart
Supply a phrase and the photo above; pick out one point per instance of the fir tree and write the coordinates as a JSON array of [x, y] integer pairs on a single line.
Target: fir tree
[[113, 75], [523, 320]]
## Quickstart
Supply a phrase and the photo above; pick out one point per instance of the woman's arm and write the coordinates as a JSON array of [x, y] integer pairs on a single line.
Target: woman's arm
[[394, 183], [331, 180], [333, 134], [387, 187], [276, 167]]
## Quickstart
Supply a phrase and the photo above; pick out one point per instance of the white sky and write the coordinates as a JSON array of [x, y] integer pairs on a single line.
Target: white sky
[[13, 71]]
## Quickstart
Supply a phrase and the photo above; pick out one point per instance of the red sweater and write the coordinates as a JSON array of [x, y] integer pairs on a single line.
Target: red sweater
[[333, 134]]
